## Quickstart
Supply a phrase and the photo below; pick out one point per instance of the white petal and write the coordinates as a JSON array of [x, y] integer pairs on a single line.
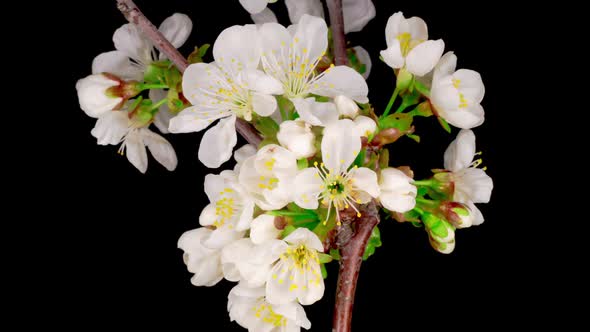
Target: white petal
[[273, 161], [298, 8], [342, 80], [315, 113], [246, 216], [129, 40], [417, 28], [277, 285], [118, 64], [254, 6], [218, 143], [263, 229], [160, 149], [275, 39], [340, 145], [265, 16], [244, 152], [258, 81], [365, 179], [298, 138], [208, 215], [201, 84], [306, 237], [237, 48], [162, 118], [263, 105], [92, 95], [474, 184], [446, 66], [393, 56], [219, 238], [203, 262], [466, 118], [312, 35], [194, 119], [111, 127], [392, 29], [397, 194], [471, 84], [294, 312], [393, 201], [135, 150], [346, 106], [422, 58], [357, 13], [461, 151], [307, 188], [364, 126], [176, 28], [365, 58], [476, 213]]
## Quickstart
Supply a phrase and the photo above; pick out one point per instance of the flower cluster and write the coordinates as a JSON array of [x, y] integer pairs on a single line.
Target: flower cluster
[[271, 222]]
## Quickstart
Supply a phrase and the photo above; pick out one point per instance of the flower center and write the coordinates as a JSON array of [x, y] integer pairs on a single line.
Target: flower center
[[225, 208], [300, 257], [264, 312], [406, 43], [462, 100], [337, 190]]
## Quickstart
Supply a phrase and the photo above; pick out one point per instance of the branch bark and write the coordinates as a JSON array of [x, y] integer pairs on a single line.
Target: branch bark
[[132, 13], [337, 25]]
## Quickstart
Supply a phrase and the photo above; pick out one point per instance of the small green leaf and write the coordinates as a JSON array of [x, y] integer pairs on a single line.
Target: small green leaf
[[414, 137], [203, 49], [444, 124], [288, 230], [266, 126], [294, 207], [360, 159], [422, 191], [421, 88], [302, 163], [374, 242], [335, 253], [324, 258], [400, 121], [324, 271]]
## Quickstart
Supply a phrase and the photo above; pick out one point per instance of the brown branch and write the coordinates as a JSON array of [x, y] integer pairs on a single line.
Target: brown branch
[[337, 25], [132, 13], [352, 248]]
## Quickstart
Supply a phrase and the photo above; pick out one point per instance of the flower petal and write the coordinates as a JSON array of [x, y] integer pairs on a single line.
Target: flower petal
[[446, 66], [176, 28], [258, 81], [262, 104], [208, 215], [237, 48], [342, 80], [307, 188], [263, 229], [315, 113], [476, 213], [162, 118], [111, 128], [218, 142], [461, 151], [365, 179], [203, 262], [273, 161], [294, 312], [160, 149], [465, 118], [340, 145], [194, 119], [392, 29], [254, 6], [473, 184], [311, 37], [129, 40], [135, 150], [357, 13], [422, 58], [365, 58], [92, 95], [201, 83], [219, 238], [470, 84], [306, 237], [265, 16], [417, 28], [298, 8], [393, 56], [118, 64]]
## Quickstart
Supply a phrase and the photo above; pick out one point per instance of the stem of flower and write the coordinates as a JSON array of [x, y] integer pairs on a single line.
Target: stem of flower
[[132, 13], [391, 101], [426, 202], [144, 86], [402, 107], [158, 104], [424, 183]]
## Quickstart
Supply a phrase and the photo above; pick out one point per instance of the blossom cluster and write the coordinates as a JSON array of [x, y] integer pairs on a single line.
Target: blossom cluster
[[270, 222]]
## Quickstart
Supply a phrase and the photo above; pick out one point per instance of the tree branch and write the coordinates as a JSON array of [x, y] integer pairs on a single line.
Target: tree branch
[[352, 250], [337, 25], [132, 13]]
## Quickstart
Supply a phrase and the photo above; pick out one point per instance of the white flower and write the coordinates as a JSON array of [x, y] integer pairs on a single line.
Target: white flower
[[333, 182], [397, 192], [249, 263], [456, 95], [268, 175], [134, 52], [297, 275], [255, 6], [364, 126], [230, 210], [408, 45], [291, 56], [357, 13], [231, 86], [205, 263], [472, 184], [94, 97], [241, 154], [249, 308], [346, 107], [115, 127], [265, 16], [263, 229], [298, 138]]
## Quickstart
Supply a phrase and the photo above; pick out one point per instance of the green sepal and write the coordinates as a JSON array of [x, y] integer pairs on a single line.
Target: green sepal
[[302, 163], [444, 124], [335, 253], [197, 55], [384, 159], [404, 79], [324, 258], [155, 73], [373, 243], [324, 271], [360, 159], [400, 121], [422, 191], [416, 138], [421, 88]]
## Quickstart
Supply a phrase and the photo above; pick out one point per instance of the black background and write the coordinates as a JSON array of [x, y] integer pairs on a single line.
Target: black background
[[112, 256]]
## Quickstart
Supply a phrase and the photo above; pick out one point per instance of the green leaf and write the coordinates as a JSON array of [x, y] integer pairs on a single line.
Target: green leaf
[[203, 49], [360, 159], [302, 163], [324, 258], [400, 121], [294, 207], [422, 191], [266, 126], [414, 137], [335, 253], [324, 271], [421, 88], [288, 230], [374, 242], [444, 124]]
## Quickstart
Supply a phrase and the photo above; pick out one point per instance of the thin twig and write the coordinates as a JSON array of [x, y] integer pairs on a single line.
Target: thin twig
[[135, 16], [337, 25]]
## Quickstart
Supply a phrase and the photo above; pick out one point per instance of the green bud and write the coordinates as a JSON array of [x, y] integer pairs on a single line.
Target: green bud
[[404, 79]]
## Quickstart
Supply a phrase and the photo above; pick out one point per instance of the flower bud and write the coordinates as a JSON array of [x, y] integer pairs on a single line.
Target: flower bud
[[397, 193], [298, 138], [457, 214], [346, 107], [404, 78], [94, 96], [364, 126]]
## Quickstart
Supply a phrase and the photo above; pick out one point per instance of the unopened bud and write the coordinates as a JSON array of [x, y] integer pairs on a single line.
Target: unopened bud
[[346, 107], [95, 95], [298, 138], [364, 126]]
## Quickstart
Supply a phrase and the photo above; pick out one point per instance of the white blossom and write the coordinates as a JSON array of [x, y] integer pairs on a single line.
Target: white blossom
[[298, 138], [204, 262], [397, 191], [94, 97]]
